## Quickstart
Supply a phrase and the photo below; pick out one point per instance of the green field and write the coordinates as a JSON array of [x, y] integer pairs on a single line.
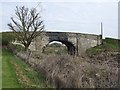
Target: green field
[[17, 74]]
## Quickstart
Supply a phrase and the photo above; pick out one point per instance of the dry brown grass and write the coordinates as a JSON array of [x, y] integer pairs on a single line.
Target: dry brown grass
[[65, 71], [22, 78]]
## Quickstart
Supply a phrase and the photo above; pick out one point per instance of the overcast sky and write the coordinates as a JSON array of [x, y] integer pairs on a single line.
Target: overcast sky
[[83, 16]]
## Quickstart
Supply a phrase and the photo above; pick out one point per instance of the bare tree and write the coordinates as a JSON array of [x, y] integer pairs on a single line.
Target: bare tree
[[27, 25]]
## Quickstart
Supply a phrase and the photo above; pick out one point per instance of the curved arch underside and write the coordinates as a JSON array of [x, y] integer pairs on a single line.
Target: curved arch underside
[[70, 46]]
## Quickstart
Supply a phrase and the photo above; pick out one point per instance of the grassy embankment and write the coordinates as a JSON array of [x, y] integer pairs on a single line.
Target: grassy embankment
[[109, 44], [17, 74]]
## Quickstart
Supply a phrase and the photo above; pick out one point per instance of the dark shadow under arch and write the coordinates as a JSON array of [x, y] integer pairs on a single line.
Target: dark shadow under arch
[[69, 45]]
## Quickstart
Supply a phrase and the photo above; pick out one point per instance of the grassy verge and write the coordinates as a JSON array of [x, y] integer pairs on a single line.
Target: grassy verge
[[17, 74], [9, 78], [0, 69], [109, 44]]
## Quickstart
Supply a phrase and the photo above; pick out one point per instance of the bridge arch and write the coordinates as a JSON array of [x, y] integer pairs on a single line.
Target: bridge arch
[[69, 45], [76, 43]]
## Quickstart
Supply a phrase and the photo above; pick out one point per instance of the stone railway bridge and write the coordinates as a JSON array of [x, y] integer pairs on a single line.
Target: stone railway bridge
[[76, 43]]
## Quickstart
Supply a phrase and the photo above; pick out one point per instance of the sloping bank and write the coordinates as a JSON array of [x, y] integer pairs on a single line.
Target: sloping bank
[[17, 74], [77, 72]]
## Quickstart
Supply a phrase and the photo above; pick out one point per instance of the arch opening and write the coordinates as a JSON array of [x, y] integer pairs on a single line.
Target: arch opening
[[66, 45]]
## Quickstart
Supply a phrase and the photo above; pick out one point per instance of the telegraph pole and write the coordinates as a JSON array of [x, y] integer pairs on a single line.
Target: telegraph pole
[[101, 33], [77, 44]]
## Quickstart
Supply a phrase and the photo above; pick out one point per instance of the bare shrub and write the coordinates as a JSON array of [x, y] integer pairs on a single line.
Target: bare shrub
[[78, 72]]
